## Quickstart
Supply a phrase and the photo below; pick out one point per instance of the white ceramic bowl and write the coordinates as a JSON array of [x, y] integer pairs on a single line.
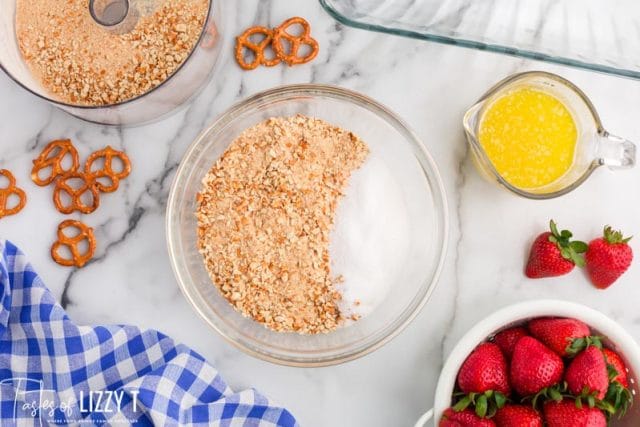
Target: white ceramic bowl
[[616, 338]]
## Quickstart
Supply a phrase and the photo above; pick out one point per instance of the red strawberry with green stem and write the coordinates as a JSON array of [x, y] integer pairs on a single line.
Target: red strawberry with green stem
[[587, 375], [534, 367], [466, 418], [608, 257], [484, 380], [569, 413], [618, 394], [554, 254], [508, 338], [518, 416], [564, 336], [615, 361]]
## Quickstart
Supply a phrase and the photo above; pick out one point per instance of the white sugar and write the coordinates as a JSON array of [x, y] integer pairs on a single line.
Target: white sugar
[[371, 237]]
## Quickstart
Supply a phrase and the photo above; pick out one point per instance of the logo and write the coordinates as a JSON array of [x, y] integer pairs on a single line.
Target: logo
[[33, 402]]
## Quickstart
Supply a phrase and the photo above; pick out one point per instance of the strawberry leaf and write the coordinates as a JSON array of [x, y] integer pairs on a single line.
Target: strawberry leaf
[[500, 399], [491, 412], [606, 407], [482, 406], [617, 400], [570, 250], [579, 247], [573, 256], [613, 237], [462, 404], [555, 394], [579, 344], [612, 372]]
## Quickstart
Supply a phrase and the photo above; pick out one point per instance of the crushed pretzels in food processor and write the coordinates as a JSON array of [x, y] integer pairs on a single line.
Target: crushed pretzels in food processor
[[81, 62]]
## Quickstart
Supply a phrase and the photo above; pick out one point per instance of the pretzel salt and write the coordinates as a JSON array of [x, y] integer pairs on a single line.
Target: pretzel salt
[[52, 157], [11, 190], [78, 258]]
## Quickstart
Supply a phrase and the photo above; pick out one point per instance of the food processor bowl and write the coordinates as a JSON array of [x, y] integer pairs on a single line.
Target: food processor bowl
[[175, 91]]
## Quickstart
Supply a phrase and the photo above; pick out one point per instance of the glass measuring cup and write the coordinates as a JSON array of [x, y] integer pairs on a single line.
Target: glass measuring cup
[[595, 147]]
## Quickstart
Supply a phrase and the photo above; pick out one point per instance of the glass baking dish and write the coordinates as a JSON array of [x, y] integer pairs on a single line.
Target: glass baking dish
[[595, 35]]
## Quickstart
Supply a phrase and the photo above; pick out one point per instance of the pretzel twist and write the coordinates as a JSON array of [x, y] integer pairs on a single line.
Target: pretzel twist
[[243, 41], [296, 42], [75, 194], [77, 259], [11, 190], [52, 156], [107, 171]]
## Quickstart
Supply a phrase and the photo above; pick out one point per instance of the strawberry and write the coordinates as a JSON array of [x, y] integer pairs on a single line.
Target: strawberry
[[559, 333], [484, 379], [554, 254], [534, 367], [518, 416], [466, 418], [608, 257], [615, 362], [618, 394], [568, 414], [508, 338], [485, 369], [587, 374]]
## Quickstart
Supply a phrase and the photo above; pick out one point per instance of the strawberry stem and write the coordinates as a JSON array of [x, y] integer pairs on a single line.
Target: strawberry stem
[[485, 404], [570, 250], [614, 236], [616, 401], [618, 398], [579, 344], [556, 392]]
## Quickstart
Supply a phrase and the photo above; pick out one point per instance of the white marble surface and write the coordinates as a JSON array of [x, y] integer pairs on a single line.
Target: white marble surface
[[430, 86]]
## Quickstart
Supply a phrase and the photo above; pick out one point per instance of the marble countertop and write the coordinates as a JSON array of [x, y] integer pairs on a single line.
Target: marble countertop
[[430, 86]]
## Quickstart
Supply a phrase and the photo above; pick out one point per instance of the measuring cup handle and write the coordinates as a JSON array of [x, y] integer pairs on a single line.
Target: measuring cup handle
[[615, 152], [422, 421]]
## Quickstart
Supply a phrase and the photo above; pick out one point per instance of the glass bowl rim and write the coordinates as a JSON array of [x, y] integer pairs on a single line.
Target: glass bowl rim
[[433, 177], [126, 101]]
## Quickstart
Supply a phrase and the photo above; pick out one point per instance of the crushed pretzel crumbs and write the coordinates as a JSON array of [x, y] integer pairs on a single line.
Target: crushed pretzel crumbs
[[265, 214], [82, 63]]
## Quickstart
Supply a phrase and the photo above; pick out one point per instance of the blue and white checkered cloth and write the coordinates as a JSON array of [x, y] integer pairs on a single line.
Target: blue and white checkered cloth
[[53, 372]]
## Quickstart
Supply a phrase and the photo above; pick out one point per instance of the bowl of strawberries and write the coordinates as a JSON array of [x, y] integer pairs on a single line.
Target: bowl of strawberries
[[540, 363]]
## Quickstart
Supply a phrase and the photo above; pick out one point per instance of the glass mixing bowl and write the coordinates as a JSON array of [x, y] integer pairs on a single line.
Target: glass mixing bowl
[[419, 197], [175, 91]]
